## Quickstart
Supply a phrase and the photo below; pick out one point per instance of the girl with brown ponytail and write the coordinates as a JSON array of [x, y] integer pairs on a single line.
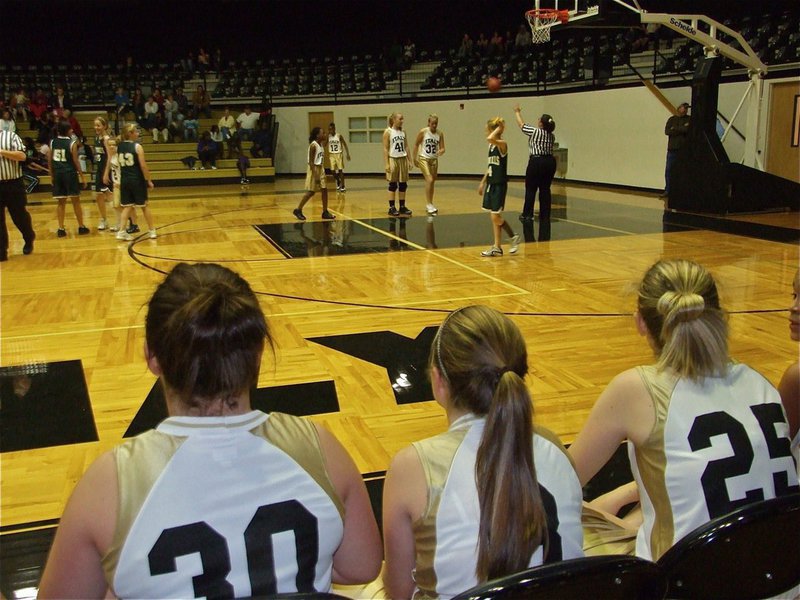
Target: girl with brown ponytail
[[492, 495], [706, 435]]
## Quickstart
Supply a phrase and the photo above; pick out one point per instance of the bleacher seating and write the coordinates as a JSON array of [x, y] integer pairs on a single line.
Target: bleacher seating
[[164, 159]]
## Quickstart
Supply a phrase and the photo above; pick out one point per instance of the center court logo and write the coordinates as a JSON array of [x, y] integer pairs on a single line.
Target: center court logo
[[681, 25]]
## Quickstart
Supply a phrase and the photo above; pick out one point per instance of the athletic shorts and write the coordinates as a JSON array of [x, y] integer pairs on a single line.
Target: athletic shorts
[[315, 179], [494, 198], [65, 185], [133, 193], [398, 169], [337, 161], [98, 185], [429, 167]]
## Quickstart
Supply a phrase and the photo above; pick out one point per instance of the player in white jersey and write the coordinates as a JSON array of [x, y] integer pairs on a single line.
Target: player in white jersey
[[113, 178], [428, 147], [315, 175], [705, 435], [789, 386], [492, 495], [337, 147], [396, 164], [219, 500]]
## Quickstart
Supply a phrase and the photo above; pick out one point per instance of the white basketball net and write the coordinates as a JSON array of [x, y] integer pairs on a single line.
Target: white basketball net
[[540, 25]]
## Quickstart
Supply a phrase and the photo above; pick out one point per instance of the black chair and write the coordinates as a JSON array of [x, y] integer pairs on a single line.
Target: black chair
[[752, 552], [607, 577]]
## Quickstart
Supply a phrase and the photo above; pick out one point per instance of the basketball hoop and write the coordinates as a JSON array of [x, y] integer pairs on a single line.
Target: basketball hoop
[[541, 20]]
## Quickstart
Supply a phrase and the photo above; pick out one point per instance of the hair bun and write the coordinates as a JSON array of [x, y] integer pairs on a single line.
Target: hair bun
[[680, 307]]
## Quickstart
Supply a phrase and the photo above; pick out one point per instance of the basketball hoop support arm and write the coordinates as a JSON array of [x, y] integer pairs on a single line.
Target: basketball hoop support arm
[[687, 26]]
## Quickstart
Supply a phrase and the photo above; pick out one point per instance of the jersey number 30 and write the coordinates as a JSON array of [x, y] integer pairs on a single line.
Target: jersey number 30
[[200, 538], [715, 490]]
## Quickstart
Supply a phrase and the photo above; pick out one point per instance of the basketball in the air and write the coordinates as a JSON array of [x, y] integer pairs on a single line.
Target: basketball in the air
[[494, 84]]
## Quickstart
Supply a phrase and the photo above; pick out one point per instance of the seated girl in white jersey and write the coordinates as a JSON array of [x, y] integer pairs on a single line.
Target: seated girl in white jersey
[[491, 496], [219, 500], [789, 386], [705, 435]]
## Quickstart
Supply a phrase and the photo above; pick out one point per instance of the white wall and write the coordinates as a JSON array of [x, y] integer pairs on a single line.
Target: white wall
[[613, 136]]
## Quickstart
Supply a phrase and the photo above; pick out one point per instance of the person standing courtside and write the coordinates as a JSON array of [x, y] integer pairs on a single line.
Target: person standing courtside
[[12, 193], [65, 169], [428, 148], [336, 149], [396, 164], [541, 165], [676, 129]]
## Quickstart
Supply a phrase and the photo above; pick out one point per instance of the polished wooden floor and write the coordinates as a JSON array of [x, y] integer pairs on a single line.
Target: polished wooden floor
[[83, 298]]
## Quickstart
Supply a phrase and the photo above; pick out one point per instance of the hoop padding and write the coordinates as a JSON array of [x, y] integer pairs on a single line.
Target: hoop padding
[[541, 20]]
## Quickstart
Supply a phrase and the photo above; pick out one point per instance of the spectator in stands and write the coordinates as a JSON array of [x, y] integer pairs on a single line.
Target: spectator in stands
[[60, 101], [216, 137], [201, 102], [76, 126], [158, 96], [202, 62], [265, 114], [150, 112], [137, 105], [789, 386], [47, 128], [409, 52], [38, 106], [669, 412], [7, 122], [247, 123], [182, 100], [227, 127], [496, 46], [523, 38], [121, 100], [482, 44], [493, 494], [19, 105], [35, 165], [207, 151], [170, 110], [466, 46], [187, 64], [214, 464], [190, 126], [216, 60], [176, 131], [160, 128], [509, 41], [130, 67], [395, 54], [261, 141]]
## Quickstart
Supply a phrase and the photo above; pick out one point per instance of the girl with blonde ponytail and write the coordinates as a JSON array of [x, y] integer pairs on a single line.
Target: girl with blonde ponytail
[[705, 433], [492, 495]]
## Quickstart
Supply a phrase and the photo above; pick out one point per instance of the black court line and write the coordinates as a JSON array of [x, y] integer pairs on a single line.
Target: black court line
[[272, 242], [135, 257], [29, 525]]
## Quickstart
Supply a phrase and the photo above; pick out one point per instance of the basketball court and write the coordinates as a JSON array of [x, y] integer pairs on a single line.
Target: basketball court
[[353, 305]]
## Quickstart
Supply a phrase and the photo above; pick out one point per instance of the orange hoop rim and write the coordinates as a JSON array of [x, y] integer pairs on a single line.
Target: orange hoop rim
[[548, 14]]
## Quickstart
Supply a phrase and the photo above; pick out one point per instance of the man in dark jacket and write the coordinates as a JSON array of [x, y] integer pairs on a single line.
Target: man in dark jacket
[[676, 128]]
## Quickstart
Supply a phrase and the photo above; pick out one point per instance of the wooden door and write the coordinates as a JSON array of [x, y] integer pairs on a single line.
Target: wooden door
[[321, 119]]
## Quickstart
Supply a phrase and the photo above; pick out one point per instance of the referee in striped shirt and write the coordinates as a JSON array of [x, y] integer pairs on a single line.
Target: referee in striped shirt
[[12, 193], [541, 165]]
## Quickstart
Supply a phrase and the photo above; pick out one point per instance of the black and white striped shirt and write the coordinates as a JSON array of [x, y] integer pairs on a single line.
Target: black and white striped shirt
[[10, 170], [540, 142]]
